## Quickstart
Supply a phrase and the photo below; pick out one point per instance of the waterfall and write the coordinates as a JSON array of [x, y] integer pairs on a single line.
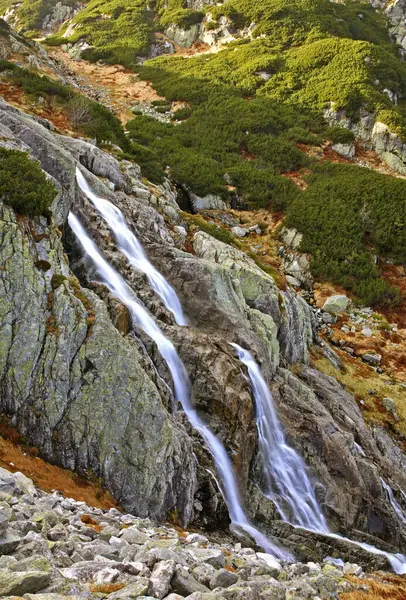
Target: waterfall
[[285, 472], [129, 245], [181, 382], [393, 502], [288, 484]]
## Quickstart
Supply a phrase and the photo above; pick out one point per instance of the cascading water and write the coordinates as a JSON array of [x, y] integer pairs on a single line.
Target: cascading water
[[140, 315], [393, 502], [132, 249], [289, 486]]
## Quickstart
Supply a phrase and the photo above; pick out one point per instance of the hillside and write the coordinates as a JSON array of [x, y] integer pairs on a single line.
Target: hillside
[[203, 298], [286, 79]]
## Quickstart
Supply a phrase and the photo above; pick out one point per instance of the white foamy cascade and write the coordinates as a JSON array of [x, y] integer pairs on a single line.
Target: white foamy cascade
[[393, 502], [181, 382], [288, 484], [129, 245]]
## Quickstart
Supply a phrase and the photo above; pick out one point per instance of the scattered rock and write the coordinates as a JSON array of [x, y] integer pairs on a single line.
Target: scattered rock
[[239, 231], [223, 579], [372, 359], [336, 304]]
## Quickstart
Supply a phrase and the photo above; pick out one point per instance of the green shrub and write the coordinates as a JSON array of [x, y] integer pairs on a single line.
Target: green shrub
[[340, 135], [223, 235], [23, 184], [345, 218], [182, 113]]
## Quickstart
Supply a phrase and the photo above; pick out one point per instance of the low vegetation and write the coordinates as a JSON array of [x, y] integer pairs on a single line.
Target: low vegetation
[[23, 184], [346, 220], [89, 117]]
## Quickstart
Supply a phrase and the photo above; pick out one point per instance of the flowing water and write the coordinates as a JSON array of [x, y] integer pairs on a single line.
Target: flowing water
[[288, 484], [285, 472], [393, 502], [181, 382], [132, 249]]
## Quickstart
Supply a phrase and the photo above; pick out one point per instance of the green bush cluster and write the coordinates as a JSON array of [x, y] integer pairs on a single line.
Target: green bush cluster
[[118, 31], [347, 215], [23, 184], [31, 13]]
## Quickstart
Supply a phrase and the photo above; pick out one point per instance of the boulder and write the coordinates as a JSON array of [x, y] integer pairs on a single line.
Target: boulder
[[184, 583], [161, 577], [239, 231], [19, 583], [336, 304], [372, 359], [223, 579]]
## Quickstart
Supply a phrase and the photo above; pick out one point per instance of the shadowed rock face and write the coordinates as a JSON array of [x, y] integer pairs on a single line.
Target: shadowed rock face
[[91, 395]]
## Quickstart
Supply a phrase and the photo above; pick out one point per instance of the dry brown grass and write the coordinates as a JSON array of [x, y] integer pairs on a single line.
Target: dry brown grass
[[15, 455], [107, 588], [381, 587]]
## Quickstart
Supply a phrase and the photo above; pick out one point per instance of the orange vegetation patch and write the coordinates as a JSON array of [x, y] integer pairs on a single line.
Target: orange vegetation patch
[[333, 156], [91, 523], [396, 275], [107, 588], [323, 290], [50, 110], [298, 177], [15, 456], [369, 158], [119, 87], [381, 587]]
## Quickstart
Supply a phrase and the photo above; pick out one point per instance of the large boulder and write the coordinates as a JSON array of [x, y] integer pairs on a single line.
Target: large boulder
[[336, 304]]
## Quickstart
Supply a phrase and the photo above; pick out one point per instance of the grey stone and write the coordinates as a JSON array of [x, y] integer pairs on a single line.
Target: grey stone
[[184, 583], [161, 577], [9, 542], [239, 231], [20, 583], [336, 304], [372, 359], [132, 535], [133, 590], [223, 578]]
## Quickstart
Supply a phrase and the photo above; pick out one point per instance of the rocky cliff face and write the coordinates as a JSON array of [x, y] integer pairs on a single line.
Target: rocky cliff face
[[88, 390]]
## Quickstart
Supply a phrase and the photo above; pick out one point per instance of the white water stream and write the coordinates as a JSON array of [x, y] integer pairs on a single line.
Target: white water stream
[[288, 484], [129, 245], [181, 382], [394, 503]]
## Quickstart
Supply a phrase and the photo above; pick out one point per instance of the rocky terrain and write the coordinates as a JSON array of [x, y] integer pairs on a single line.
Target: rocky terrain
[[87, 389], [53, 547]]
